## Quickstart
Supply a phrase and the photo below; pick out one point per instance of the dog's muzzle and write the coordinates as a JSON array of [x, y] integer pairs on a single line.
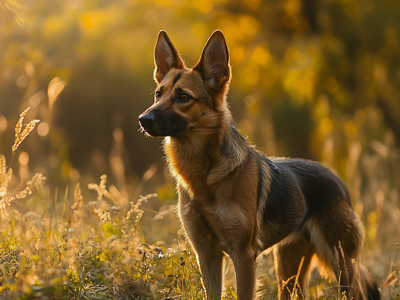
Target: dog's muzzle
[[147, 122], [160, 123]]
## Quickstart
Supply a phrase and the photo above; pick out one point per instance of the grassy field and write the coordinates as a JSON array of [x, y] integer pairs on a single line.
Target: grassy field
[[114, 244]]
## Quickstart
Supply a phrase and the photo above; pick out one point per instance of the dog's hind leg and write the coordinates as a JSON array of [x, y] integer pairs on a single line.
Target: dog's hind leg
[[288, 256], [337, 236]]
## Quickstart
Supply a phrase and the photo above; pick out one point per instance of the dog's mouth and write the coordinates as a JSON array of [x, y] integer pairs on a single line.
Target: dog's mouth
[[150, 133], [146, 132]]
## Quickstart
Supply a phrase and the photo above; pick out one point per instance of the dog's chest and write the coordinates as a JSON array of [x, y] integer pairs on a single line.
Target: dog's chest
[[226, 221]]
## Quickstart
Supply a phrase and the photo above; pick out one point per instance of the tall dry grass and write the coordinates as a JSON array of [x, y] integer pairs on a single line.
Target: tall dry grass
[[111, 245], [84, 248]]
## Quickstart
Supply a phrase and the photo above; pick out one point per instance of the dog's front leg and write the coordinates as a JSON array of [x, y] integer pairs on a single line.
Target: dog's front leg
[[207, 246], [245, 268], [209, 255], [210, 261]]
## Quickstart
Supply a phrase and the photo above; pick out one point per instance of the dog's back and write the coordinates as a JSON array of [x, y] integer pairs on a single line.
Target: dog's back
[[319, 185]]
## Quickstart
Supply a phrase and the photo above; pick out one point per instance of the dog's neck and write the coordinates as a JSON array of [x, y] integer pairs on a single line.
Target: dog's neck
[[207, 157]]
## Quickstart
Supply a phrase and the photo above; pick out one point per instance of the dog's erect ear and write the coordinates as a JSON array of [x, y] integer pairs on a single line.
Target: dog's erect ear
[[165, 57], [214, 61]]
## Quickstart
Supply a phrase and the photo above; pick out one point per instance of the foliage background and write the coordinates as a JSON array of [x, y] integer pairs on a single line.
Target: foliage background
[[311, 79]]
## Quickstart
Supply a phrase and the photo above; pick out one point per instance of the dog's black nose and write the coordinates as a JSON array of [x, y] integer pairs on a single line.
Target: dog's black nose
[[146, 120]]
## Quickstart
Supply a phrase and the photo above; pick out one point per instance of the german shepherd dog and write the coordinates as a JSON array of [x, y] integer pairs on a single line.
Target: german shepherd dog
[[234, 200]]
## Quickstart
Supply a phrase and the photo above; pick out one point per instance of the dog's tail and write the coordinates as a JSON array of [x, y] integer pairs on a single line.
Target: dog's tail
[[368, 287]]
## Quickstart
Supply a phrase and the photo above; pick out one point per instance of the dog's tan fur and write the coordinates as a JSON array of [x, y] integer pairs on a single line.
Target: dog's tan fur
[[233, 199]]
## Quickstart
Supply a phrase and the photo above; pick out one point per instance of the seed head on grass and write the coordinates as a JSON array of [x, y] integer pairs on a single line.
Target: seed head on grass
[[78, 198], [77, 206], [34, 184], [5, 198], [19, 137], [100, 207], [5, 176], [18, 127], [99, 188], [135, 206]]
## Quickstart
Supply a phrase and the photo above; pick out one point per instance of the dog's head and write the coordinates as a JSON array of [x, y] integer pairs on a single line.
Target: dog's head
[[187, 100]]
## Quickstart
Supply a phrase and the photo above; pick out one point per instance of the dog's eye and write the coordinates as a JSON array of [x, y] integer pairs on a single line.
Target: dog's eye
[[158, 94], [184, 97]]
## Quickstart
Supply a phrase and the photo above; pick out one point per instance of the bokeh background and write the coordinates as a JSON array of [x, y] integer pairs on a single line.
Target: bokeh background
[[316, 79]]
